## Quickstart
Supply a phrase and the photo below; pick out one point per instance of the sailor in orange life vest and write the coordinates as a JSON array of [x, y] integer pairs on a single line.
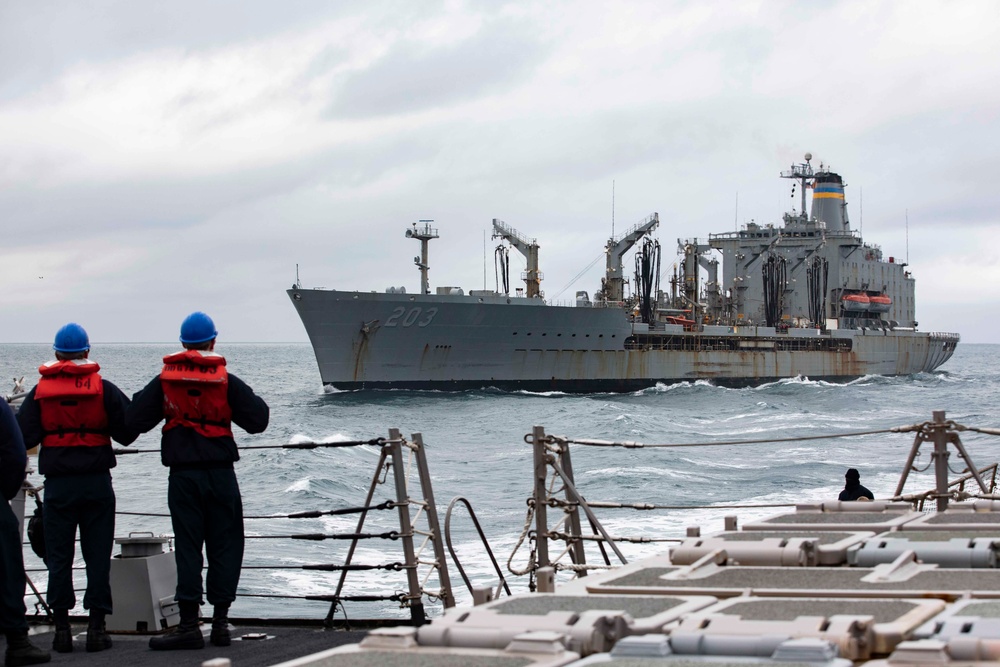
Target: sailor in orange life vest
[[200, 401], [73, 413]]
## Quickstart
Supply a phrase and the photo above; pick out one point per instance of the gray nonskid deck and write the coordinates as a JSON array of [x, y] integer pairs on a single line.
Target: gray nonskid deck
[[283, 643], [820, 581]]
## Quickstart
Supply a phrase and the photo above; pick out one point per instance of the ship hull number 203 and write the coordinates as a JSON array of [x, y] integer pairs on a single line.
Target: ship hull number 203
[[415, 315]]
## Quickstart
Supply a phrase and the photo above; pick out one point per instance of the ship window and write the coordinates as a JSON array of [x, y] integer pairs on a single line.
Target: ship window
[[529, 333], [600, 335], [515, 333], [560, 335], [545, 334]]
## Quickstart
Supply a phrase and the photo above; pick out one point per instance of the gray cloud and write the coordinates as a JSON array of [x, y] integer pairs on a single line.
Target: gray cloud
[[414, 77], [44, 37], [271, 162]]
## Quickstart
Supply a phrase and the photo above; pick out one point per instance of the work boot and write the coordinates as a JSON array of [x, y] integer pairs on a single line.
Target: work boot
[[22, 652], [97, 634], [63, 640], [187, 635], [220, 626], [220, 632]]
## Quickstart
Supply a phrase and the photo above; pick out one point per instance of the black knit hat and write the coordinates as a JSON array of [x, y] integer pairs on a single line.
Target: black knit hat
[[852, 473]]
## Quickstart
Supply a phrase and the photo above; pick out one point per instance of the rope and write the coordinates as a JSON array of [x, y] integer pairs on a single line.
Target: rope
[[573, 567], [290, 445], [310, 514], [326, 598], [986, 431], [328, 567], [520, 540], [396, 597], [391, 535], [628, 444], [314, 514], [600, 538], [557, 502]]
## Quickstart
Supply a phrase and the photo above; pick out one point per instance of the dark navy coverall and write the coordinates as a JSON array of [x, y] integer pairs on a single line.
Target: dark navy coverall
[[78, 493], [206, 508], [853, 490], [13, 462]]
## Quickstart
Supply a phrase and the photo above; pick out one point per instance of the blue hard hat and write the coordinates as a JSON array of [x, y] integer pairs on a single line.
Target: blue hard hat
[[71, 338], [197, 328]]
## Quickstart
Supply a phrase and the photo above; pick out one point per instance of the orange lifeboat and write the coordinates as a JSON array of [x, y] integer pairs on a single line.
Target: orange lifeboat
[[880, 303], [855, 301]]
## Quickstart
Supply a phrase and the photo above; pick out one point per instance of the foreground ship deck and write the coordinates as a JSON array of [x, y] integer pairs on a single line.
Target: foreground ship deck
[[834, 583], [830, 583], [280, 643]]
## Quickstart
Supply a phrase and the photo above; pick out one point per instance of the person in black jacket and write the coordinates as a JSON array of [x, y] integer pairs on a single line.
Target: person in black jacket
[[13, 466], [853, 489], [200, 401], [73, 413]]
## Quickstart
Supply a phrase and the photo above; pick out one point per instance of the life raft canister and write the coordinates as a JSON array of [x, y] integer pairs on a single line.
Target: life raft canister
[[195, 393], [70, 394]]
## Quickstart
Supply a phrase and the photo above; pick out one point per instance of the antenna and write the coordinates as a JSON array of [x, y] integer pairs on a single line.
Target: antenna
[[736, 213], [612, 208], [298, 283], [907, 237], [861, 208], [484, 259]]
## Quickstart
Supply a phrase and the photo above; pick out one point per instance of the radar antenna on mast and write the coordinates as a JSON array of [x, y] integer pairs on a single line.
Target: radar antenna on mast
[[424, 235], [803, 173]]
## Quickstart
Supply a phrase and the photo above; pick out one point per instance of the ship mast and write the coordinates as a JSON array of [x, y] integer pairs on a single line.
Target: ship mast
[[424, 235], [532, 277], [614, 283], [804, 174]]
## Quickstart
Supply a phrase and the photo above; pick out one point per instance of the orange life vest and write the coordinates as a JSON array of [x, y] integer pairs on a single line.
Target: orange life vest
[[70, 396], [195, 386]]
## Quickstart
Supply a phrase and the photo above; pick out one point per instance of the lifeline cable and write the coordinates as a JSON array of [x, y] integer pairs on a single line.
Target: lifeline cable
[[556, 502], [291, 445], [396, 597], [390, 535], [638, 445], [309, 514], [567, 537], [328, 567]]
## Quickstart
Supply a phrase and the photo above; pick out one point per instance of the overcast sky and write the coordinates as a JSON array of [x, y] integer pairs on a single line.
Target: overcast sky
[[159, 158]]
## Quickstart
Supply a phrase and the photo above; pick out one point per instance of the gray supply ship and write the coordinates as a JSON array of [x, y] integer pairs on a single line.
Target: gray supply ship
[[806, 298]]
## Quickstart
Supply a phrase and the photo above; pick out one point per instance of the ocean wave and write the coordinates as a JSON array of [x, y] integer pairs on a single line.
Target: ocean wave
[[663, 388]]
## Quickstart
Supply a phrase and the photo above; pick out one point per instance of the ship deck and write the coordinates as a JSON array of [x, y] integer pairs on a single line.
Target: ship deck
[[284, 642]]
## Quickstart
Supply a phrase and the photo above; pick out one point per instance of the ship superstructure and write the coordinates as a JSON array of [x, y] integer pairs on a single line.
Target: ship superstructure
[[807, 297], [812, 271]]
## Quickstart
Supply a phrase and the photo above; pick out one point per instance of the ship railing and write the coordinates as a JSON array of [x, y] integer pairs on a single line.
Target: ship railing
[[561, 543], [416, 529], [852, 234], [637, 226], [505, 229]]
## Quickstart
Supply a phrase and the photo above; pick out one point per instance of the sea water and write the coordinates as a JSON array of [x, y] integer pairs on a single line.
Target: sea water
[[475, 444]]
